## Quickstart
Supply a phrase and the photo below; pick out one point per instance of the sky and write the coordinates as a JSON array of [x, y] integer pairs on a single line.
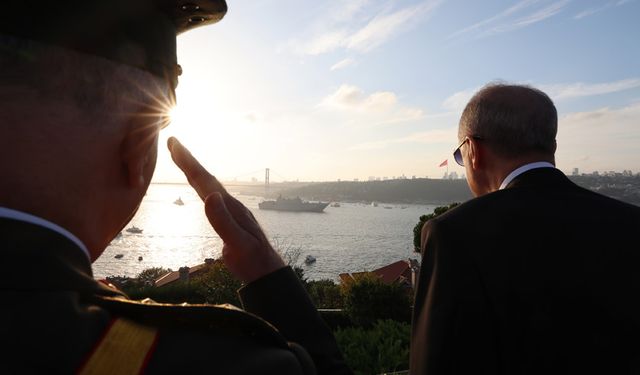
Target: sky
[[337, 89]]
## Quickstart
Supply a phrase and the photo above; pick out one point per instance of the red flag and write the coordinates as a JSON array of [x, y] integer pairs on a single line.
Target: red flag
[[444, 163]]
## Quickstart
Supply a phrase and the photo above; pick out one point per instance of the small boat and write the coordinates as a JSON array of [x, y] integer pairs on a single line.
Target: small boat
[[139, 258], [178, 202], [134, 229], [309, 259], [335, 204], [374, 204], [118, 256], [388, 207]]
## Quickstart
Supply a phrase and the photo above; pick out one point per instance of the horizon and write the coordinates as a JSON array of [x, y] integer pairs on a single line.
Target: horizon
[[397, 178], [345, 90]]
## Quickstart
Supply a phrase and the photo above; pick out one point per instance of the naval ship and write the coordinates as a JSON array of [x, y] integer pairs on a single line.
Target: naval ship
[[292, 204]]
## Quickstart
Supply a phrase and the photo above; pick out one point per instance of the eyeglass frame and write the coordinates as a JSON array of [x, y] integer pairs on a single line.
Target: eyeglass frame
[[457, 154]]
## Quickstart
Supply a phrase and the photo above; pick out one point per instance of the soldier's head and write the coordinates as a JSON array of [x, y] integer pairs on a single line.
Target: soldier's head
[[503, 127], [85, 87]]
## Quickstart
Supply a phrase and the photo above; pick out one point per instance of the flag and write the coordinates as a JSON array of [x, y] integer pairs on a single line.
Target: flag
[[444, 163]]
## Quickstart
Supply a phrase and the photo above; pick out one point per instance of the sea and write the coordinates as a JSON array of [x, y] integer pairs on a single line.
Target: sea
[[350, 238]]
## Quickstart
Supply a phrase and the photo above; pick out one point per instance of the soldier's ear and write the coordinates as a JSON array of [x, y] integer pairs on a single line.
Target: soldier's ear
[[139, 150]]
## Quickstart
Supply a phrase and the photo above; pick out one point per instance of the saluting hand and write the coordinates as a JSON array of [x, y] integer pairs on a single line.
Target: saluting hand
[[246, 251]]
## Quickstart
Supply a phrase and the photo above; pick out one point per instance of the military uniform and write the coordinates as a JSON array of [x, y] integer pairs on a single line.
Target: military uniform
[[55, 316]]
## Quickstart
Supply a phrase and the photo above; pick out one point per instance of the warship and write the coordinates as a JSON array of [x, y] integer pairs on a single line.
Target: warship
[[292, 204]]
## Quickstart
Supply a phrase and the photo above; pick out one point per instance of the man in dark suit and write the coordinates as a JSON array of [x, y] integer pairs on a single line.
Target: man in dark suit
[[85, 87], [535, 275]]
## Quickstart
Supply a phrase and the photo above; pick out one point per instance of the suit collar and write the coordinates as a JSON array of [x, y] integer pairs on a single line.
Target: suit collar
[[38, 258], [522, 169], [540, 177]]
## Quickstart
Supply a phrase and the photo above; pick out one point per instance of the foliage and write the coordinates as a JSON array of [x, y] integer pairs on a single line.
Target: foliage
[[325, 294], [335, 318], [148, 276], [367, 299], [177, 292], [218, 285], [381, 348], [417, 229], [214, 285], [289, 252]]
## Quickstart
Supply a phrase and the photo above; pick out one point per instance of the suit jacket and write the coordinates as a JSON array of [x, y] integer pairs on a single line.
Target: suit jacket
[[541, 277], [53, 313]]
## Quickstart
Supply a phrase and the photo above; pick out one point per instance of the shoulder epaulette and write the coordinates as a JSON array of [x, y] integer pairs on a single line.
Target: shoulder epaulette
[[124, 348], [226, 319]]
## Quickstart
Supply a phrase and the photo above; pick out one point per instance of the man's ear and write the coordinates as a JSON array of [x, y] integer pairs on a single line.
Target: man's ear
[[476, 154], [138, 153]]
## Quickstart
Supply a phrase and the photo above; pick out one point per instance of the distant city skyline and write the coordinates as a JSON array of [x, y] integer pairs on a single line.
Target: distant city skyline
[[352, 89]]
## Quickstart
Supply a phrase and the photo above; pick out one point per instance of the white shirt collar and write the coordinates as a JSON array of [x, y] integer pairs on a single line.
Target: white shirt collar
[[527, 167], [23, 216]]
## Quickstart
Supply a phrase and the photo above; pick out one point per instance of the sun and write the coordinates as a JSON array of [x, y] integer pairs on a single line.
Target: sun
[[175, 114]]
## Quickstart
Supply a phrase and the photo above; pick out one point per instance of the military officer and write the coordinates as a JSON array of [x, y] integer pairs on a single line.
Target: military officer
[[84, 90]]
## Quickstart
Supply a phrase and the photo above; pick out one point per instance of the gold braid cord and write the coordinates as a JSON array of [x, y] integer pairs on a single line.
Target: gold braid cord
[[123, 350]]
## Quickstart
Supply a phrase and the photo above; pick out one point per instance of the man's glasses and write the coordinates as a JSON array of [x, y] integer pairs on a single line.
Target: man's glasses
[[457, 154]]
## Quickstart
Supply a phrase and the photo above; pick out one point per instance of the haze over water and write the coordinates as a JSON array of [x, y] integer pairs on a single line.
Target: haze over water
[[349, 238]]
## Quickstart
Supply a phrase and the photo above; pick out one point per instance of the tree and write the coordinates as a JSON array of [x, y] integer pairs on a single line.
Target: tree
[[325, 294], [148, 276], [367, 299], [217, 285], [382, 348], [417, 229]]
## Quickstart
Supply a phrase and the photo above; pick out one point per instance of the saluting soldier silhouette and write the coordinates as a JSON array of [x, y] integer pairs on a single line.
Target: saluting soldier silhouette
[[84, 90]]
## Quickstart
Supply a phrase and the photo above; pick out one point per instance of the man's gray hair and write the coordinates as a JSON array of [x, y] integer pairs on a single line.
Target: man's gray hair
[[514, 119]]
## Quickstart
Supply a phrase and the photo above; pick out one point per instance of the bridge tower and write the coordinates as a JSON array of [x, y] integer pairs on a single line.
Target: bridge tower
[[266, 178]]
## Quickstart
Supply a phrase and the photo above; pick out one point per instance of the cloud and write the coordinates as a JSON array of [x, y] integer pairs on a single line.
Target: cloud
[[326, 42], [557, 91], [364, 33], [384, 26], [513, 9], [431, 137], [343, 64], [459, 100], [591, 11], [353, 98], [602, 139], [513, 18], [383, 105], [575, 90]]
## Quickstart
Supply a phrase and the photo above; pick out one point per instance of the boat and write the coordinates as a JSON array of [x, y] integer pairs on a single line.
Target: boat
[[139, 258], [292, 204], [134, 229], [388, 207], [118, 256], [309, 259], [178, 202], [335, 204], [374, 204]]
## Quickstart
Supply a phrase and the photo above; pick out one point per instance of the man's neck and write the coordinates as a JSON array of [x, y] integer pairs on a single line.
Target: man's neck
[[12, 214], [507, 170]]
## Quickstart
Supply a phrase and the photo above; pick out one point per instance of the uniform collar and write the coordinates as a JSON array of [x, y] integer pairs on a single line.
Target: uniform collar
[[520, 170], [9, 213]]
